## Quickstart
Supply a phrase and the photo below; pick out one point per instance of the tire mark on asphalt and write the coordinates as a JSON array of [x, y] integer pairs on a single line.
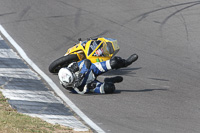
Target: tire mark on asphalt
[[144, 15], [112, 21], [77, 20], [171, 15], [184, 23], [71, 38], [5, 14], [24, 12]]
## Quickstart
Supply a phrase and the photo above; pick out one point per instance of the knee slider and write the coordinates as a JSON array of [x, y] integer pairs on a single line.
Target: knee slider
[[116, 62], [113, 63], [109, 88]]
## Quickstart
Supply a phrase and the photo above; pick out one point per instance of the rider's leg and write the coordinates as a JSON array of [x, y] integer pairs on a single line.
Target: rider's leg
[[101, 88], [100, 67], [115, 63]]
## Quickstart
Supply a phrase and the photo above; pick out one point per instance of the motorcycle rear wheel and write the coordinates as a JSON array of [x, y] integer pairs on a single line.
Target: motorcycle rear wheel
[[63, 61]]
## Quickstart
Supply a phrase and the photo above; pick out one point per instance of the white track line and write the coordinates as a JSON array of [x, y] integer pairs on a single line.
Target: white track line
[[50, 82]]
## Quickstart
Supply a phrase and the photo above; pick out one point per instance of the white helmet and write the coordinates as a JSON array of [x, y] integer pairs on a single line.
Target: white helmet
[[66, 77]]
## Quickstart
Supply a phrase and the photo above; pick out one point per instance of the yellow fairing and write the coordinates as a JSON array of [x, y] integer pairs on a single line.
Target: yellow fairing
[[98, 50]]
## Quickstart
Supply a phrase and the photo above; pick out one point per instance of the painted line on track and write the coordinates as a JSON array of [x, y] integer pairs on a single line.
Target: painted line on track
[[50, 82]]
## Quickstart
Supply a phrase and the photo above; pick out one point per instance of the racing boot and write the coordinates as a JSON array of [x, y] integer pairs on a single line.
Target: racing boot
[[118, 62], [109, 87], [130, 60], [116, 79]]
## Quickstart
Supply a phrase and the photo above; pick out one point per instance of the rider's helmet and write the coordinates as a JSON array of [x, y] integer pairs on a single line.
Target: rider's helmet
[[66, 77]]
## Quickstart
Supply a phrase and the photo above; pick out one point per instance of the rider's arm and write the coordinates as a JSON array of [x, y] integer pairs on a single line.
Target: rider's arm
[[85, 90], [100, 67]]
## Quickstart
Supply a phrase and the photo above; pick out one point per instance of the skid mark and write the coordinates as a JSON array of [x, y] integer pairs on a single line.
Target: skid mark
[[178, 11], [24, 12], [187, 5], [5, 14], [146, 14]]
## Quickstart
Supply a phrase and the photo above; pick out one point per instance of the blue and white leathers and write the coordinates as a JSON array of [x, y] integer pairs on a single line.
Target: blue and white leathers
[[90, 74]]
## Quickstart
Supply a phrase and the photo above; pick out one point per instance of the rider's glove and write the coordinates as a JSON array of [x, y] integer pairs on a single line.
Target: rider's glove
[[73, 67], [79, 79]]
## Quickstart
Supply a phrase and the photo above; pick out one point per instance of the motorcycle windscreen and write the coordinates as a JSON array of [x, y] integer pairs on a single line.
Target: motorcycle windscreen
[[93, 46], [104, 50]]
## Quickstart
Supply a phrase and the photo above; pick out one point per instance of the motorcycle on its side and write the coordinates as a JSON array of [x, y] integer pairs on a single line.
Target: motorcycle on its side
[[96, 50]]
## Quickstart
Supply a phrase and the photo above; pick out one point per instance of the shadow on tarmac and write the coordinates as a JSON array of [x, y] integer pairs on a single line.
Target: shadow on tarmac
[[123, 71], [144, 90]]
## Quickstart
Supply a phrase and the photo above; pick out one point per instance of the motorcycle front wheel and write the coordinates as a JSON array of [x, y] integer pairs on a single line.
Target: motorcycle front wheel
[[63, 61]]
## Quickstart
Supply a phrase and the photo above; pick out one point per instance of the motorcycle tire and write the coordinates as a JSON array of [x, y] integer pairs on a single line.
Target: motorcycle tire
[[63, 61]]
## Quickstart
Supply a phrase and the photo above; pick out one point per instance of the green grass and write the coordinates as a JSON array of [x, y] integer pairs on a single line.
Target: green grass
[[13, 122]]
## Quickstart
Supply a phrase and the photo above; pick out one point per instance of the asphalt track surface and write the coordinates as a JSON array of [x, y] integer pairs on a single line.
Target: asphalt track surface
[[160, 92]]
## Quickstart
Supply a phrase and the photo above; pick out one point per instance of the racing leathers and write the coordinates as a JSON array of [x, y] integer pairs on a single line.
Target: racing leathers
[[86, 73]]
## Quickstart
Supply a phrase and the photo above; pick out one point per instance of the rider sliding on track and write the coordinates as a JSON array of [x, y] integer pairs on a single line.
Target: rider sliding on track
[[80, 77]]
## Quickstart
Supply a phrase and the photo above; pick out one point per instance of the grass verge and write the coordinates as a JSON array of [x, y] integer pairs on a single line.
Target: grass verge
[[13, 122]]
